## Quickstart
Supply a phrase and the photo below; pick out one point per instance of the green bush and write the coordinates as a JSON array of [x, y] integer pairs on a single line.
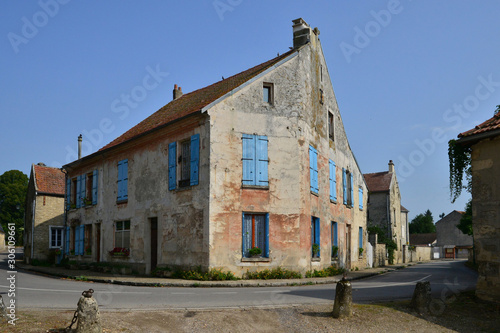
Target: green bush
[[329, 271], [275, 273], [214, 274], [38, 262]]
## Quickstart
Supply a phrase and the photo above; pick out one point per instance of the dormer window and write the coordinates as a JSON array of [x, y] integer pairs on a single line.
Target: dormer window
[[268, 93]]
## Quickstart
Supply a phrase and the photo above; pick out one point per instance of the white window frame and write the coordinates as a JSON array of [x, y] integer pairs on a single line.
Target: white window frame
[[53, 228], [121, 232]]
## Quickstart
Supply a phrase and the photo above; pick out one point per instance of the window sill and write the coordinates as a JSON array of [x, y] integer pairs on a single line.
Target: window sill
[[333, 201], [183, 188], [255, 187], [315, 194], [261, 259], [119, 202], [316, 259]]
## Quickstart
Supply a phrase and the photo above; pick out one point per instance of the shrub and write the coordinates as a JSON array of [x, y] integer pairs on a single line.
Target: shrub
[[329, 271], [254, 251], [275, 273], [214, 274]]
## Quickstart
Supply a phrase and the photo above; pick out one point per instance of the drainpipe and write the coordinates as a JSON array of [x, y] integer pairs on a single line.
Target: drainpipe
[[33, 226], [65, 209]]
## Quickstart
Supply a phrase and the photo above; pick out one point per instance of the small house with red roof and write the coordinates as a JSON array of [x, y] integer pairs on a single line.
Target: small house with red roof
[[44, 218], [252, 172], [385, 210], [484, 144]]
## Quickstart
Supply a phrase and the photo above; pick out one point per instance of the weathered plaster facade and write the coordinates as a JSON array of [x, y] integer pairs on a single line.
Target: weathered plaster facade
[[385, 210], [449, 236], [201, 225], [44, 210], [484, 141]]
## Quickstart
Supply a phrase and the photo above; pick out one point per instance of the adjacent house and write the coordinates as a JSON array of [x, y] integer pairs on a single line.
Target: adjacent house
[[385, 210], [257, 160], [2, 239], [453, 241], [428, 239], [484, 142], [44, 218]]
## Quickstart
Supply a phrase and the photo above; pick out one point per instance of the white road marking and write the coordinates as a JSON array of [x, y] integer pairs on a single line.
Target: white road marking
[[390, 284], [79, 292], [225, 293]]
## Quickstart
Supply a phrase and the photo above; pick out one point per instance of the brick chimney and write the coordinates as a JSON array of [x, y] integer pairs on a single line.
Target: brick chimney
[[302, 33], [177, 91], [79, 146], [391, 166]]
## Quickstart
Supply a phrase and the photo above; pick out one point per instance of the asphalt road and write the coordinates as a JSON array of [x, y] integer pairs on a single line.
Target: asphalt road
[[37, 291]]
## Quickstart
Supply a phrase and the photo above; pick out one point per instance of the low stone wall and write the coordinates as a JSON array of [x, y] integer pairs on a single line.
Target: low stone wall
[[380, 255], [419, 253]]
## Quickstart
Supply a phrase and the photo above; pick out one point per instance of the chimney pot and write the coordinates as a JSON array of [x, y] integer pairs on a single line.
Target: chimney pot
[[301, 33], [79, 146], [391, 166], [177, 91]]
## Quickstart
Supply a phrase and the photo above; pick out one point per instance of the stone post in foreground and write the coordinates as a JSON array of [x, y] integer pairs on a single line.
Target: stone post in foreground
[[89, 319], [421, 297], [342, 308]]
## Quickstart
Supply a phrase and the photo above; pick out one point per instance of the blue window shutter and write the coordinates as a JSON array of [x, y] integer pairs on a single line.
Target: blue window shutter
[[344, 184], [94, 187], [333, 182], [119, 181], [266, 248], [83, 186], [317, 233], [312, 233], [335, 234], [195, 159], [68, 193], [313, 169], [125, 179], [248, 159], [82, 239], [77, 240], [66, 241], [244, 236], [360, 198], [262, 161], [172, 163], [78, 191], [352, 190], [360, 237]]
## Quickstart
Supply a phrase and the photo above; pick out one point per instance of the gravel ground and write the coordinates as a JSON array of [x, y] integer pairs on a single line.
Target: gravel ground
[[461, 314]]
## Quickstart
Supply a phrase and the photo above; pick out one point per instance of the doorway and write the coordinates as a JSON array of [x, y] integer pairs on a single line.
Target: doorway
[[154, 242], [98, 242], [348, 247]]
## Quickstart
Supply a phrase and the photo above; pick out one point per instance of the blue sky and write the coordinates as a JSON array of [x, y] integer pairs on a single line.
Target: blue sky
[[408, 75]]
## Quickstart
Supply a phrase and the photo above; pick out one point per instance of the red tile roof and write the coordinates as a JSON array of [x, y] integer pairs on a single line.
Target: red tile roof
[[48, 180], [489, 125], [379, 181], [194, 101]]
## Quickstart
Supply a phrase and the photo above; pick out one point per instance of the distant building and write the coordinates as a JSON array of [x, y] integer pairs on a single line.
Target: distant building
[[453, 241], [385, 210], [44, 219], [484, 140], [428, 239]]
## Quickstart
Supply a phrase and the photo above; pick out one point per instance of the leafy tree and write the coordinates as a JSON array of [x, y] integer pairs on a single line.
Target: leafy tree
[[422, 223], [497, 110], [13, 188], [465, 224]]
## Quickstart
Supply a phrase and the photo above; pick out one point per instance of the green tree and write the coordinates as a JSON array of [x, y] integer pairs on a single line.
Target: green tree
[[422, 223], [13, 188], [465, 224]]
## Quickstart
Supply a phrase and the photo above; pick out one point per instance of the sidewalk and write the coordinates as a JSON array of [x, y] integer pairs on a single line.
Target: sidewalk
[[87, 275]]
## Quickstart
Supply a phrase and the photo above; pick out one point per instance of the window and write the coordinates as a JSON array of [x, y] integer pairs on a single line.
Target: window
[[333, 181], [347, 185], [188, 159], [56, 237], [122, 234], [268, 93], [81, 190], [335, 240], [360, 192], [255, 233], [79, 239], [313, 169], [88, 239], [255, 160], [330, 126], [360, 237], [315, 241], [321, 96], [122, 181]]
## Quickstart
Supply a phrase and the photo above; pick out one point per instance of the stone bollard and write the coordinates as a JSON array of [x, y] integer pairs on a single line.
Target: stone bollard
[[421, 297], [3, 311], [89, 319], [342, 307]]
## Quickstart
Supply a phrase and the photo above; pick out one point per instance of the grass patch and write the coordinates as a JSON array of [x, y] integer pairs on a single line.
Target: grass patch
[[214, 274]]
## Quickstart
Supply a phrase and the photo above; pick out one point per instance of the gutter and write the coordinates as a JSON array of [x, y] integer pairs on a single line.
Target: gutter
[[470, 140]]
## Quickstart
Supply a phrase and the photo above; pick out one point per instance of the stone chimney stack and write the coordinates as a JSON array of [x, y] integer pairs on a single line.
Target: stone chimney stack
[[302, 33], [177, 91], [79, 146], [391, 166]]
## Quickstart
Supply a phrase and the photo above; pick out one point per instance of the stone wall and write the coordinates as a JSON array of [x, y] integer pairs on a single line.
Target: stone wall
[[486, 216], [48, 212], [447, 232]]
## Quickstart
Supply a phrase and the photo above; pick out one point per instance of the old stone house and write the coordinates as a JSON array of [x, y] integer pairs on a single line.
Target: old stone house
[[453, 242], [2, 239], [385, 210], [44, 217], [258, 159], [484, 141]]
